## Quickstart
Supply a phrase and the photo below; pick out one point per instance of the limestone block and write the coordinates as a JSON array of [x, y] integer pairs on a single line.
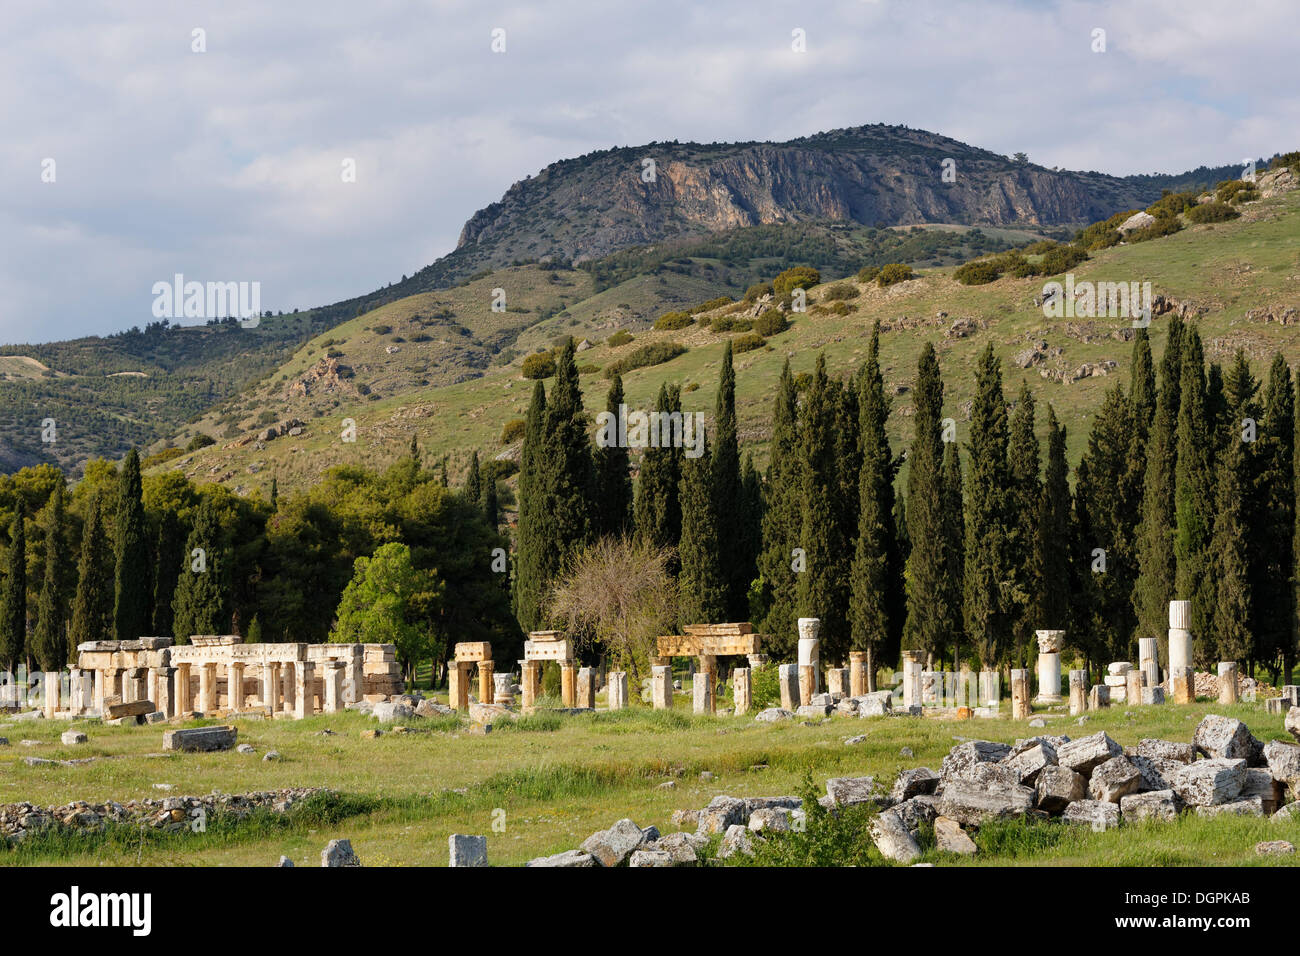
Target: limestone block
[[1283, 761], [1118, 669], [1098, 814], [851, 791], [772, 714], [1078, 692], [971, 804], [1114, 681], [1098, 697], [951, 838], [1058, 787], [586, 688], [775, 819], [566, 860], [1210, 782], [1114, 779], [485, 714], [71, 738], [1166, 750], [135, 708], [1245, 807], [473, 651], [650, 856], [1152, 695], [1028, 763], [661, 686], [788, 681], [876, 704], [1292, 723], [965, 755], [339, 853], [386, 712], [922, 808], [611, 847], [200, 739], [1087, 753], [703, 693], [684, 848], [915, 782], [616, 690], [721, 813], [814, 710], [1157, 774], [466, 850], [741, 690], [1260, 783], [1155, 805], [1182, 684], [893, 839], [1218, 736], [736, 840]]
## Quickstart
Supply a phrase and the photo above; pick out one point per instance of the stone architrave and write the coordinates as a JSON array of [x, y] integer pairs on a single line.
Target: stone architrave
[[741, 690], [1020, 709], [1149, 659], [486, 688], [616, 690], [235, 686], [569, 683], [810, 648], [333, 702], [304, 696], [1078, 692], [529, 682], [661, 686], [586, 688], [788, 681], [1228, 693], [1181, 681], [1134, 681], [857, 673], [271, 687], [1049, 664]]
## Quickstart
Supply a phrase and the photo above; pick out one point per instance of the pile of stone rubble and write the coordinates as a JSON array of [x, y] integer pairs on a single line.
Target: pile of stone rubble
[[166, 813]]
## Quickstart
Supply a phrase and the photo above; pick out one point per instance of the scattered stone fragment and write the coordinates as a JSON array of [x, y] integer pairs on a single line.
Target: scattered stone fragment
[[71, 738], [772, 714], [1029, 762], [706, 776], [1260, 783], [966, 755], [285, 861], [1156, 805], [1058, 787], [1166, 750], [649, 834], [905, 751], [917, 810], [1247, 807], [1036, 722], [270, 756], [736, 840], [339, 853], [1115, 778], [1087, 753], [1098, 814], [465, 850], [770, 818], [770, 803], [371, 734], [200, 739], [569, 858], [722, 812], [431, 708], [1210, 782], [951, 838], [685, 818], [893, 839], [1274, 847], [684, 848], [851, 791], [649, 857], [667, 785], [1224, 737], [611, 847], [914, 782], [859, 739], [245, 749], [1290, 812], [971, 804], [1283, 761]]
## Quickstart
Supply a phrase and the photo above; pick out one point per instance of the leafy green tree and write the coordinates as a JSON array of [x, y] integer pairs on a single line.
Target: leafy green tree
[[92, 609], [50, 638], [201, 601], [13, 596], [613, 505], [986, 532], [782, 522], [132, 582]]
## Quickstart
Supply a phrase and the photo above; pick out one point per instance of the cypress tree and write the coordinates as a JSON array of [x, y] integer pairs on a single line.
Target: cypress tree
[[873, 599], [92, 608], [169, 555], [275, 494], [751, 531], [413, 451], [13, 597], [474, 482], [570, 479], [954, 546], [702, 585], [1217, 404], [530, 537], [201, 604], [1024, 499], [1274, 520], [727, 500], [928, 573], [1228, 559], [613, 506], [132, 581], [1053, 534], [1154, 587], [491, 509], [986, 532], [1083, 592], [1194, 499], [50, 637], [1142, 386], [658, 509], [782, 522]]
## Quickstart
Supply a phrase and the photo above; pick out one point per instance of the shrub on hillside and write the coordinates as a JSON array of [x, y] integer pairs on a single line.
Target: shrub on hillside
[[893, 274], [1039, 247], [513, 431], [800, 277], [771, 322], [1235, 191], [756, 292], [868, 274], [746, 343], [538, 365], [588, 369], [979, 272], [381, 329], [671, 321], [621, 337], [1104, 234], [840, 290], [728, 323], [1212, 212], [158, 458], [1061, 259], [200, 440], [1163, 226], [1172, 204], [656, 353], [712, 304]]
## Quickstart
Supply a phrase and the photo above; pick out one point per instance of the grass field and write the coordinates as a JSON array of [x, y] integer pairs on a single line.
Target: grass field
[[558, 779]]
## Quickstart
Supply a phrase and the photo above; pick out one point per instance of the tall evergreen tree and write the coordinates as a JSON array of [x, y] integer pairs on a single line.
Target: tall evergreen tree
[[568, 469], [1227, 562], [530, 536], [132, 582], [13, 596], [727, 499], [1274, 522], [925, 627], [1217, 404], [201, 603], [1024, 499], [954, 549], [986, 532], [782, 521], [613, 505], [751, 530], [491, 508], [1194, 499], [1053, 534], [658, 509], [92, 609], [702, 584], [474, 482], [1154, 585], [50, 637], [169, 555]]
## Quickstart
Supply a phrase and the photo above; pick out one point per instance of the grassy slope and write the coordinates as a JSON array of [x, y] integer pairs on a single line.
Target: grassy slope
[[1227, 268], [557, 786]]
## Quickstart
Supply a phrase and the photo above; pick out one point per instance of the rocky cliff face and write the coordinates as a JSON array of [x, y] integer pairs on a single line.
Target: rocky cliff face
[[876, 175]]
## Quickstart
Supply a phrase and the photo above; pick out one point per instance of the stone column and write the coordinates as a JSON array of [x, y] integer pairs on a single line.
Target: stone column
[[528, 686], [1149, 659], [1180, 635], [486, 687], [703, 689], [810, 649], [1228, 691], [911, 679], [741, 690], [1078, 692], [333, 694], [52, 693], [569, 683], [289, 683], [586, 688], [857, 673], [502, 692], [271, 687], [1181, 682], [708, 675], [616, 690], [1049, 665], [184, 696], [354, 677], [990, 689], [930, 688], [661, 686], [1020, 694], [235, 685], [304, 697], [164, 696], [458, 685], [837, 681], [788, 679], [207, 688], [1133, 683], [757, 660], [807, 684]]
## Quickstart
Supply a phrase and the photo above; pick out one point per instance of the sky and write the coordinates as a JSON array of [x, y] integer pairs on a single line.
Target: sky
[[228, 163]]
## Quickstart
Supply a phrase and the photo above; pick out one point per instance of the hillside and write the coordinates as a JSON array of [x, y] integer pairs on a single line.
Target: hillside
[[1239, 279]]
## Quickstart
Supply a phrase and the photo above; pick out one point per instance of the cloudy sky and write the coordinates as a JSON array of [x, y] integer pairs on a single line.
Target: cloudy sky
[[227, 164]]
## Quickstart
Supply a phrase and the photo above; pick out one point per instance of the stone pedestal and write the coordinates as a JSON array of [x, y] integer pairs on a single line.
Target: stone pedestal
[[235, 686], [1181, 683], [788, 680], [616, 690], [528, 684], [807, 684], [857, 673], [333, 693], [703, 691], [1149, 659], [837, 681], [1049, 665], [1228, 692], [1134, 681], [304, 689], [661, 686], [1180, 634], [1098, 697], [51, 696], [569, 683], [502, 692], [810, 648], [911, 679], [1078, 692], [458, 678], [164, 694], [930, 681], [81, 684], [587, 687], [271, 687], [1020, 709], [990, 689], [486, 688], [757, 660], [741, 690]]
